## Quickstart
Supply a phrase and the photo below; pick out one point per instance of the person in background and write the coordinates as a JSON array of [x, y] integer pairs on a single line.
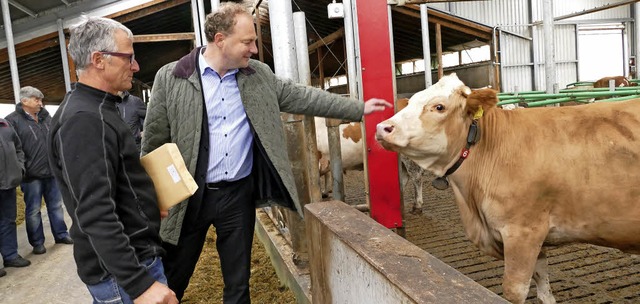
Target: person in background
[[108, 194], [31, 121], [12, 158], [133, 110], [222, 109]]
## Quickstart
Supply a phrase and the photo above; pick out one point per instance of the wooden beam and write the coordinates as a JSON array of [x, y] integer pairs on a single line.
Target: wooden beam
[[31, 46], [458, 24], [163, 37], [146, 9], [326, 40], [439, 50]]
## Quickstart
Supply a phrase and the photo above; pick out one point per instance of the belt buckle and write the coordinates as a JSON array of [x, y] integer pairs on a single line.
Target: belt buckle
[[212, 188]]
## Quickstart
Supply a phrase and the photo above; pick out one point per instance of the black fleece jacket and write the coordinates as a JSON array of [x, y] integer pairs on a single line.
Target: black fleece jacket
[[33, 136], [108, 194]]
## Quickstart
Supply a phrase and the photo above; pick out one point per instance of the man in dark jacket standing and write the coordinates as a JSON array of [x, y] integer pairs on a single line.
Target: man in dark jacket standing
[[108, 194], [11, 170], [31, 121], [132, 110]]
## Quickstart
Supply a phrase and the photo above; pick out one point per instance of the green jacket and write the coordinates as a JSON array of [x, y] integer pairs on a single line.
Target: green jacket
[[175, 114]]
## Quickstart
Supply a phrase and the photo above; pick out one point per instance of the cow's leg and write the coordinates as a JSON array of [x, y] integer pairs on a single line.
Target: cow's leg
[[541, 277], [417, 179], [521, 249]]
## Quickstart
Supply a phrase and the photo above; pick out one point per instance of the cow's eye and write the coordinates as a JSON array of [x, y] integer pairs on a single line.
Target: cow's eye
[[440, 108]]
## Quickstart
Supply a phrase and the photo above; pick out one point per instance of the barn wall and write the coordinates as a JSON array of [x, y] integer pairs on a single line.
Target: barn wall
[[523, 60], [353, 259]]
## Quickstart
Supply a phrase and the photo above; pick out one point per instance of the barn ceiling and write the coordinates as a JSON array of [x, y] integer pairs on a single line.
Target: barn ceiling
[[164, 33]]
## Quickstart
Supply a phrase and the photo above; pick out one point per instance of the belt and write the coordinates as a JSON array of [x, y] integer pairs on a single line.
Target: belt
[[224, 184]]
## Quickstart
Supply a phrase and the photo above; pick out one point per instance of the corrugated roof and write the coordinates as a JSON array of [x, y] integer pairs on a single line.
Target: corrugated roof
[[40, 65]]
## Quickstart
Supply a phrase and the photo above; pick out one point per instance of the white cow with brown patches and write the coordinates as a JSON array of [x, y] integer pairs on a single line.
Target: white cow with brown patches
[[352, 145], [532, 177]]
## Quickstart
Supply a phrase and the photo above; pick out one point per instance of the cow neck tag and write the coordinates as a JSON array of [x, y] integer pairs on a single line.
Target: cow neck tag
[[473, 137]]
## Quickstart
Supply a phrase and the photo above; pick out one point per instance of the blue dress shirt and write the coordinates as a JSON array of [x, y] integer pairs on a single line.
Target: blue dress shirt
[[230, 138]]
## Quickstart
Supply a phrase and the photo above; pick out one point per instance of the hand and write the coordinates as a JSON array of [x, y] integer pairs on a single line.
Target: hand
[[164, 213], [158, 293], [375, 105]]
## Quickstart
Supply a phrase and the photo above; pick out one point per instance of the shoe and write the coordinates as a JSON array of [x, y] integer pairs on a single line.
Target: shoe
[[3, 272], [17, 262], [65, 240], [40, 249]]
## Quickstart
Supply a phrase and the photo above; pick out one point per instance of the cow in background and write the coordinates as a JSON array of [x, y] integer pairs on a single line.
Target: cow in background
[[514, 203], [352, 148], [620, 81]]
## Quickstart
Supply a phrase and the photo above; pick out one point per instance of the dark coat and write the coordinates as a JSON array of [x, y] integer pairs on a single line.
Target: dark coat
[[33, 136], [11, 157]]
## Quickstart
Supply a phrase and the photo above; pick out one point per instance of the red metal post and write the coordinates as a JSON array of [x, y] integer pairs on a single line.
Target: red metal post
[[377, 81]]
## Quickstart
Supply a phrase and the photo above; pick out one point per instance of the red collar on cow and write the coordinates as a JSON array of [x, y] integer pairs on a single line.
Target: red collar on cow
[[473, 136]]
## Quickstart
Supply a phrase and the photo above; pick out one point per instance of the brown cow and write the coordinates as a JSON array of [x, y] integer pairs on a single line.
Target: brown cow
[[620, 81], [516, 190]]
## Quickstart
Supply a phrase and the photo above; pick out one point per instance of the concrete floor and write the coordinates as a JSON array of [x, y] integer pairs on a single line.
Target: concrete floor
[[51, 277]]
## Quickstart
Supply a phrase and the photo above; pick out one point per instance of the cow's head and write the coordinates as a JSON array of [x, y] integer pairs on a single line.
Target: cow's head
[[433, 128]]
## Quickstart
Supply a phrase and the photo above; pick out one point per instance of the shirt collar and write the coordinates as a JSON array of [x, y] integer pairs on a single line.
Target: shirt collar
[[202, 64]]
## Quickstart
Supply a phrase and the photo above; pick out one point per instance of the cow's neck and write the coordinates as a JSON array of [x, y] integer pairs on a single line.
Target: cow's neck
[[473, 136]]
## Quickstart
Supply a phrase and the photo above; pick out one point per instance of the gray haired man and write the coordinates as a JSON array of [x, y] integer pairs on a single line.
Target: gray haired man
[[95, 160], [31, 122]]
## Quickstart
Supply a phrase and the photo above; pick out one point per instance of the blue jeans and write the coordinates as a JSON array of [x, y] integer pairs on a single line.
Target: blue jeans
[[108, 290], [34, 191], [8, 234]]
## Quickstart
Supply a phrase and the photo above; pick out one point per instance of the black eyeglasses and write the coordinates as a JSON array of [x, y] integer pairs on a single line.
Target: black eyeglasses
[[131, 57]]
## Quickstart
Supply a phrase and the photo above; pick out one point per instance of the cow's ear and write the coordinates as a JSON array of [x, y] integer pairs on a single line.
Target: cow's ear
[[482, 98]]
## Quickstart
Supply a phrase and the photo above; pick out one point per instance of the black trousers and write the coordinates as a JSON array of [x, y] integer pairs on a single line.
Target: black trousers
[[229, 207]]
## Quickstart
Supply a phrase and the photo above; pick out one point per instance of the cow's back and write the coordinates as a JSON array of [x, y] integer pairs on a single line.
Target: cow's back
[[576, 167]]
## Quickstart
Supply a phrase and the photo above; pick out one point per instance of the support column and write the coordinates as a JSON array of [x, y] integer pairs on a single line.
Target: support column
[[197, 23], [376, 63], [11, 50], [64, 56], [426, 48], [549, 46], [636, 41], [286, 66]]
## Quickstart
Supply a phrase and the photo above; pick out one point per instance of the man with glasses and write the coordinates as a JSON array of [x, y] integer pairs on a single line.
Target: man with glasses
[[31, 121], [95, 160]]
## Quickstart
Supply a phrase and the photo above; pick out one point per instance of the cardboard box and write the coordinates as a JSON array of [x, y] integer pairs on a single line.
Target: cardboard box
[[170, 176]]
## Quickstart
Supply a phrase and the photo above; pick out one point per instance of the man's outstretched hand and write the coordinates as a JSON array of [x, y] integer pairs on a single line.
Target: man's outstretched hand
[[375, 105]]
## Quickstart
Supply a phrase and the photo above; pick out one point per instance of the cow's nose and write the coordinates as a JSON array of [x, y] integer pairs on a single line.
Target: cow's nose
[[383, 129]]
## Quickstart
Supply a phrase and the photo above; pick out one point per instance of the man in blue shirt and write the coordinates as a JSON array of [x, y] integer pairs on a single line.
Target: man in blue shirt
[[222, 109]]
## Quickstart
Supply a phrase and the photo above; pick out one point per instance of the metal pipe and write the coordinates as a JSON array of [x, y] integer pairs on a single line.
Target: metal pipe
[[577, 95], [214, 5], [64, 56], [549, 45], [286, 67], [283, 43], [201, 20], [349, 33], [304, 77], [23, 8], [426, 49], [196, 22], [636, 32], [11, 50]]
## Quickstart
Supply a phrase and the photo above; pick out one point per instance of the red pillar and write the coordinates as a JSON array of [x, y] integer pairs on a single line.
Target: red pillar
[[377, 81]]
